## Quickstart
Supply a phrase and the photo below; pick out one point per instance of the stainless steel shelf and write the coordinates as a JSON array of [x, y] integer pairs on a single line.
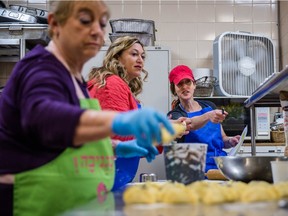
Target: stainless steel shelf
[[269, 91], [23, 31], [266, 94], [17, 38], [10, 50]]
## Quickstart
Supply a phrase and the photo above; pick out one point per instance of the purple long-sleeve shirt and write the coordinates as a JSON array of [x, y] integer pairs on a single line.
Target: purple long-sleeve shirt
[[39, 111]]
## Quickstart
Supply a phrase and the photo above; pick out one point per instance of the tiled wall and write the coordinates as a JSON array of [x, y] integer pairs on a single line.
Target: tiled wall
[[188, 28], [283, 37]]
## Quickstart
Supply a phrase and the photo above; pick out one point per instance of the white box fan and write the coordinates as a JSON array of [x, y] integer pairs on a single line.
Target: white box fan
[[242, 61]]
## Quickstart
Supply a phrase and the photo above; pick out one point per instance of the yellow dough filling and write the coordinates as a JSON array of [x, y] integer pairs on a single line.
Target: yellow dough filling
[[205, 192]]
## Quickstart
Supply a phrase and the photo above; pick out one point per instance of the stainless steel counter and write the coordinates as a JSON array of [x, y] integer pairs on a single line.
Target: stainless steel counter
[[68, 200], [113, 206]]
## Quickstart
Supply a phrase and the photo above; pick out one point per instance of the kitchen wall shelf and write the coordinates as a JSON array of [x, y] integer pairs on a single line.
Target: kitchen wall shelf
[[23, 31]]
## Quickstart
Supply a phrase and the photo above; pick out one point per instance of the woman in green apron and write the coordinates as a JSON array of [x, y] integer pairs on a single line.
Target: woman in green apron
[[53, 138]]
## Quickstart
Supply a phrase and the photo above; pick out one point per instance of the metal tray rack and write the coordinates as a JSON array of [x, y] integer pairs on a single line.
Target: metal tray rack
[[16, 38], [41, 15]]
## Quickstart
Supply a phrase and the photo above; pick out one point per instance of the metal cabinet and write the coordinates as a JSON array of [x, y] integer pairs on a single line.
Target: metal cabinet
[[155, 94]]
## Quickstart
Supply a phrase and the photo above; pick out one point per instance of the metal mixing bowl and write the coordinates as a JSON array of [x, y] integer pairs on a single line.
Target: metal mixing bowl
[[247, 168]]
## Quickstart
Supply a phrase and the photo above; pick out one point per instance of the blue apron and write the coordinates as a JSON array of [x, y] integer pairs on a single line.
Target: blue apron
[[210, 134], [126, 169]]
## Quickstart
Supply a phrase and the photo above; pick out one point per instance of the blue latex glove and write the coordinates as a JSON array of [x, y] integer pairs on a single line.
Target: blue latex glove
[[130, 149], [144, 124], [150, 157]]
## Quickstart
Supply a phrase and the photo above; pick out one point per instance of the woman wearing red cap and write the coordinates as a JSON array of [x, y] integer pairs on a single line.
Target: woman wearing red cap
[[206, 118]]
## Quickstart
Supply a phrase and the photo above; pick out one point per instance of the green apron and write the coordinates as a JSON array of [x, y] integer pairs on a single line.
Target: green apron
[[75, 177], [95, 207]]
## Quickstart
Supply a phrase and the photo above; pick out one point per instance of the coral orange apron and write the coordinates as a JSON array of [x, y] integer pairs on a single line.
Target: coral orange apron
[[75, 177]]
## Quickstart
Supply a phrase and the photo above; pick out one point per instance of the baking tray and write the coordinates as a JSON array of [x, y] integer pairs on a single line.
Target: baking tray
[[7, 15], [130, 25], [40, 14]]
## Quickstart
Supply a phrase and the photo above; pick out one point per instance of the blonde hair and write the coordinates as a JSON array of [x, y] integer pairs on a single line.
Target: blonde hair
[[63, 9], [112, 66]]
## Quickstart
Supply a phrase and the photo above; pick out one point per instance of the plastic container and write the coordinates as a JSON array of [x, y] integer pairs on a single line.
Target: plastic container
[[185, 162], [279, 171]]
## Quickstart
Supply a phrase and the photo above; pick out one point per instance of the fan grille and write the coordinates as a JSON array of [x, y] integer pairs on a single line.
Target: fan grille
[[242, 62]]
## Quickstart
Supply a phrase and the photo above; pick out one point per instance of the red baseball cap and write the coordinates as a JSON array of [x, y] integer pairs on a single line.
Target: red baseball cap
[[179, 73]]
